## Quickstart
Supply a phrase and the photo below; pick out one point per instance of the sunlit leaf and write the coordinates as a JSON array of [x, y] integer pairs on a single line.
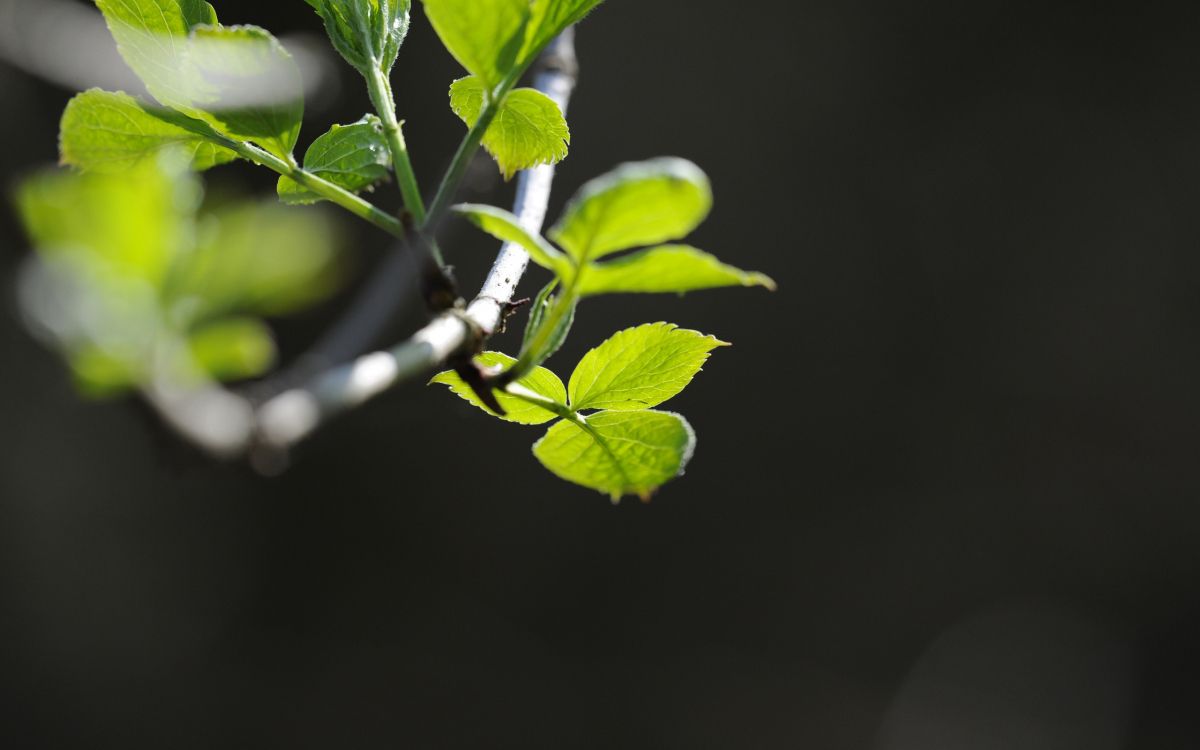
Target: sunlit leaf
[[619, 453], [354, 157], [540, 381], [528, 129], [669, 268], [485, 36], [506, 227], [639, 367], [547, 20], [112, 132], [636, 204]]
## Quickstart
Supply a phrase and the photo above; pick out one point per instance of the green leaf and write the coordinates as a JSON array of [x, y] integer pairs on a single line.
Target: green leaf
[[253, 258], [507, 228], [247, 86], [485, 36], [128, 225], [232, 349], [636, 204], [538, 319], [367, 33], [669, 268], [197, 13], [151, 36], [354, 157], [619, 453], [639, 367], [111, 132], [539, 380], [548, 18], [528, 130], [99, 374]]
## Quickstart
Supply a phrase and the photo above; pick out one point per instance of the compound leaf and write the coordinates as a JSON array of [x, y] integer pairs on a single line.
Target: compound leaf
[[668, 268], [111, 132], [619, 453], [639, 367], [639, 203], [485, 36], [539, 380], [506, 227], [354, 157], [528, 130]]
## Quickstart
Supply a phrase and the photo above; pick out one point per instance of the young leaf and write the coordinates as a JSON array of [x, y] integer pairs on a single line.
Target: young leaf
[[232, 349], [485, 36], [528, 130], [639, 367], [540, 381], [507, 228], [619, 453], [547, 20], [352, 156], [111, 132], [151, 36], [367, 33], [247, 85], [538, 320], [668, 268], [636, 204]]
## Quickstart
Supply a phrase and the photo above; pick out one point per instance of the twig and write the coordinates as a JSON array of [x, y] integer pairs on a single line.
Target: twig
[[226, 424], [296, 413]]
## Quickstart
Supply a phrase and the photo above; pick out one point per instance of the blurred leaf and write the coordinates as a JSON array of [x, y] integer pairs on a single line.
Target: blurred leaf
[[255, 258], [619, 453], [112, 131], [99, 373], [133, 223], [247, 86], [547, 20], [485, 36], [232, 348], [367, 33], [354, 157], [668, 268], [636, 204], [539, 380], [506, 227], [528, 129], [639, 367]]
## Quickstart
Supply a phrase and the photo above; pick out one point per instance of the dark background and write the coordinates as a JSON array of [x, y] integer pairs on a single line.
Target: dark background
[[945, 494]]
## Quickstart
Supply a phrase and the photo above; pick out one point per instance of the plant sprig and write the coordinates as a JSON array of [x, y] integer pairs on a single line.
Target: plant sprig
[[223, 93]]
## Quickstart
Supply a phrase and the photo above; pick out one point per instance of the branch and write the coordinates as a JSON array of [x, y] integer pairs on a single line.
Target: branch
[[226, 424], [293, 415]]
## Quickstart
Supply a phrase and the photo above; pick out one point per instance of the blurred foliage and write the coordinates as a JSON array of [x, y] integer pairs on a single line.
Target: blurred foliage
[[134, 283]]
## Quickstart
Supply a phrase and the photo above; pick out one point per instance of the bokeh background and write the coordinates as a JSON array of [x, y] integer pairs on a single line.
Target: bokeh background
[[946, 490]]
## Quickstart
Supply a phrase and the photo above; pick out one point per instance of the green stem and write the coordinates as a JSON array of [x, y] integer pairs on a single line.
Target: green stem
[[531, 356], [327, 190], [381, 97]]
